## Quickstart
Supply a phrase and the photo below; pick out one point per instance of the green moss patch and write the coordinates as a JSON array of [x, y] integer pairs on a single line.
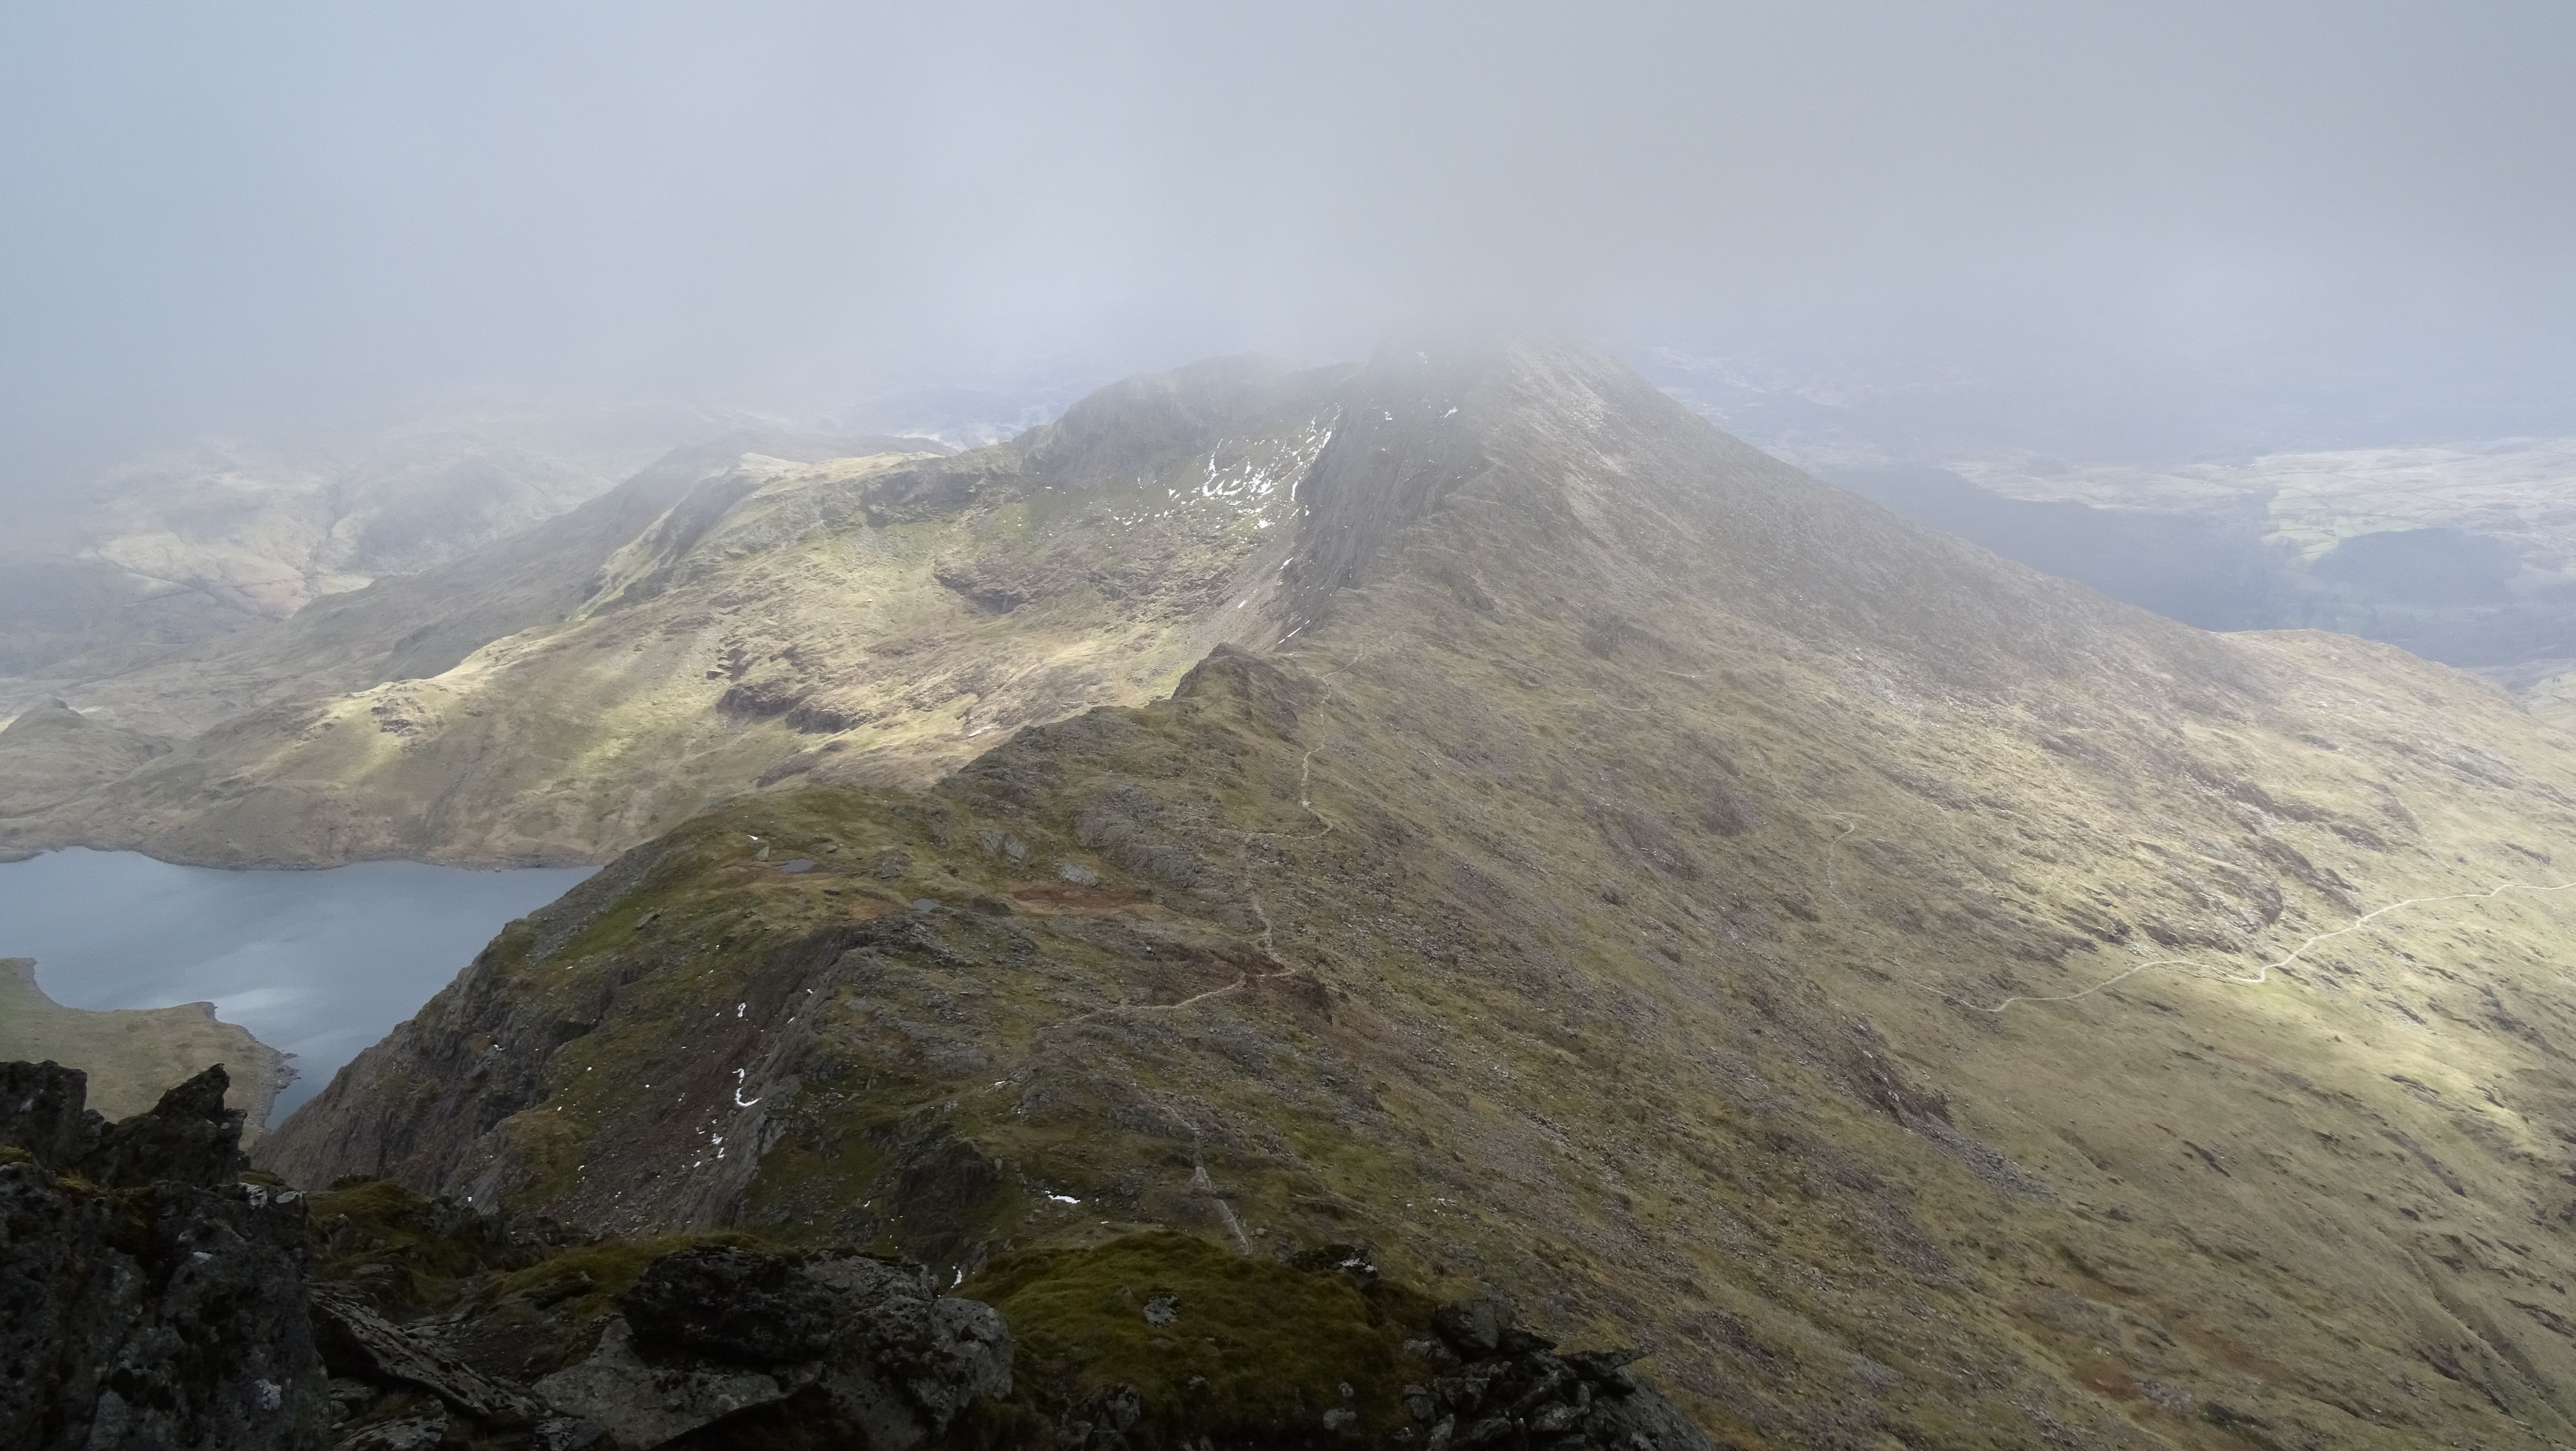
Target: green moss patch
[[1210, 1342], [588, 1280], [405, 1250]]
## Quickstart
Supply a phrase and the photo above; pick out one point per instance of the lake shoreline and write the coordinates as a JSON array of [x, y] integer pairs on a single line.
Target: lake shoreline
[[312, 962]]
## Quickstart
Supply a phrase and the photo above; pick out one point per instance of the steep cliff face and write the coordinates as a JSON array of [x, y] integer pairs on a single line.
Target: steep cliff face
[[1928, 1002]]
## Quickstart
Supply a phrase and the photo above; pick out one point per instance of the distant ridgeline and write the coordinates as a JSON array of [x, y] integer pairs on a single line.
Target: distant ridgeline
[[1463, 817], [764, 608], [2461, 556]]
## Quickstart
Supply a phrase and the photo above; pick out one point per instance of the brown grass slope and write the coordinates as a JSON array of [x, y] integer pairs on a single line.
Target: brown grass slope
[[1676, 892], [400, 628], [870, 618]]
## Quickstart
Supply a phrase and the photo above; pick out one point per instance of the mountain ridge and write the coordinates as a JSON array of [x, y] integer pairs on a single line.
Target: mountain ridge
[[171, 553], [1595, 892]]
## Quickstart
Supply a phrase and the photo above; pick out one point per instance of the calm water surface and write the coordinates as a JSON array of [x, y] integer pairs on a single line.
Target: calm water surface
[[317, 964]]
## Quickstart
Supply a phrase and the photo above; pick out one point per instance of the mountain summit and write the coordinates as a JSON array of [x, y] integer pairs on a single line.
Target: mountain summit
[[1926, 1002]]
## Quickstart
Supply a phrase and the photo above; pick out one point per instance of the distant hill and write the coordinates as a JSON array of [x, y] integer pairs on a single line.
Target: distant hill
[[2466, 555], [764, 607], [196, 543]]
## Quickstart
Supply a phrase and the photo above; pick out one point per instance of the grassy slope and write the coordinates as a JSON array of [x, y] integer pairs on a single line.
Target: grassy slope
[[866, 619], [1611, 897], [134, 1055]]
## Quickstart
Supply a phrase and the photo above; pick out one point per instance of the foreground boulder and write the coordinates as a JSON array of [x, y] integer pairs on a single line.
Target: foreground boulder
[[147, 1297], [150, 1299], [1506, 1388], [846, 1350]]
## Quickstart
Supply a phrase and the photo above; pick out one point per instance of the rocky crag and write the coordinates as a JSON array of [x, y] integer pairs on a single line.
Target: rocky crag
[[1928, 1003], [150, 1297], [147, 1297]]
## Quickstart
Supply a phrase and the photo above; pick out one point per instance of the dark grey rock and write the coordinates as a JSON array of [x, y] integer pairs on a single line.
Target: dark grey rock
[[846, 1350], [1474, 1326], [1431, 1352], [357, 1343], [1514, 1393], [568, 1433], [166, 1308], [730, 1305], [42, 1110], [189, 1137], [414, 1430], [909, 1360], [643, 1403]]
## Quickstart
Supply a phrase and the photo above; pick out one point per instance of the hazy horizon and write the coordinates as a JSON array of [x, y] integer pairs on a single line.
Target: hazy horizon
[[2196, 229]]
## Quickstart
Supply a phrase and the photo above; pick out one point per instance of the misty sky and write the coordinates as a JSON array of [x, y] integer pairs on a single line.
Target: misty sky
[[2308, 218]]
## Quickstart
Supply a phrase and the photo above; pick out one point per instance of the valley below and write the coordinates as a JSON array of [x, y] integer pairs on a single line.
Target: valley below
[[2465, 554]]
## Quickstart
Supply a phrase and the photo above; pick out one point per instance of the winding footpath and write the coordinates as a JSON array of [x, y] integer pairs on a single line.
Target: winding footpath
[[1243, 857]]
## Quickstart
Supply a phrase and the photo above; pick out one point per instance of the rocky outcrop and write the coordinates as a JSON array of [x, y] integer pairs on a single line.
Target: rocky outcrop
[[848, 1349], [147, 1298], [44, 1111], [711, 1345], [1506, 1388], [150, 1299], [191, 1138], [359, 1344], [731, 1305]]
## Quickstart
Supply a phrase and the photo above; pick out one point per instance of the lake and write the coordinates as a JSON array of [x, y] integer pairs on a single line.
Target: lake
[[319, 964]]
